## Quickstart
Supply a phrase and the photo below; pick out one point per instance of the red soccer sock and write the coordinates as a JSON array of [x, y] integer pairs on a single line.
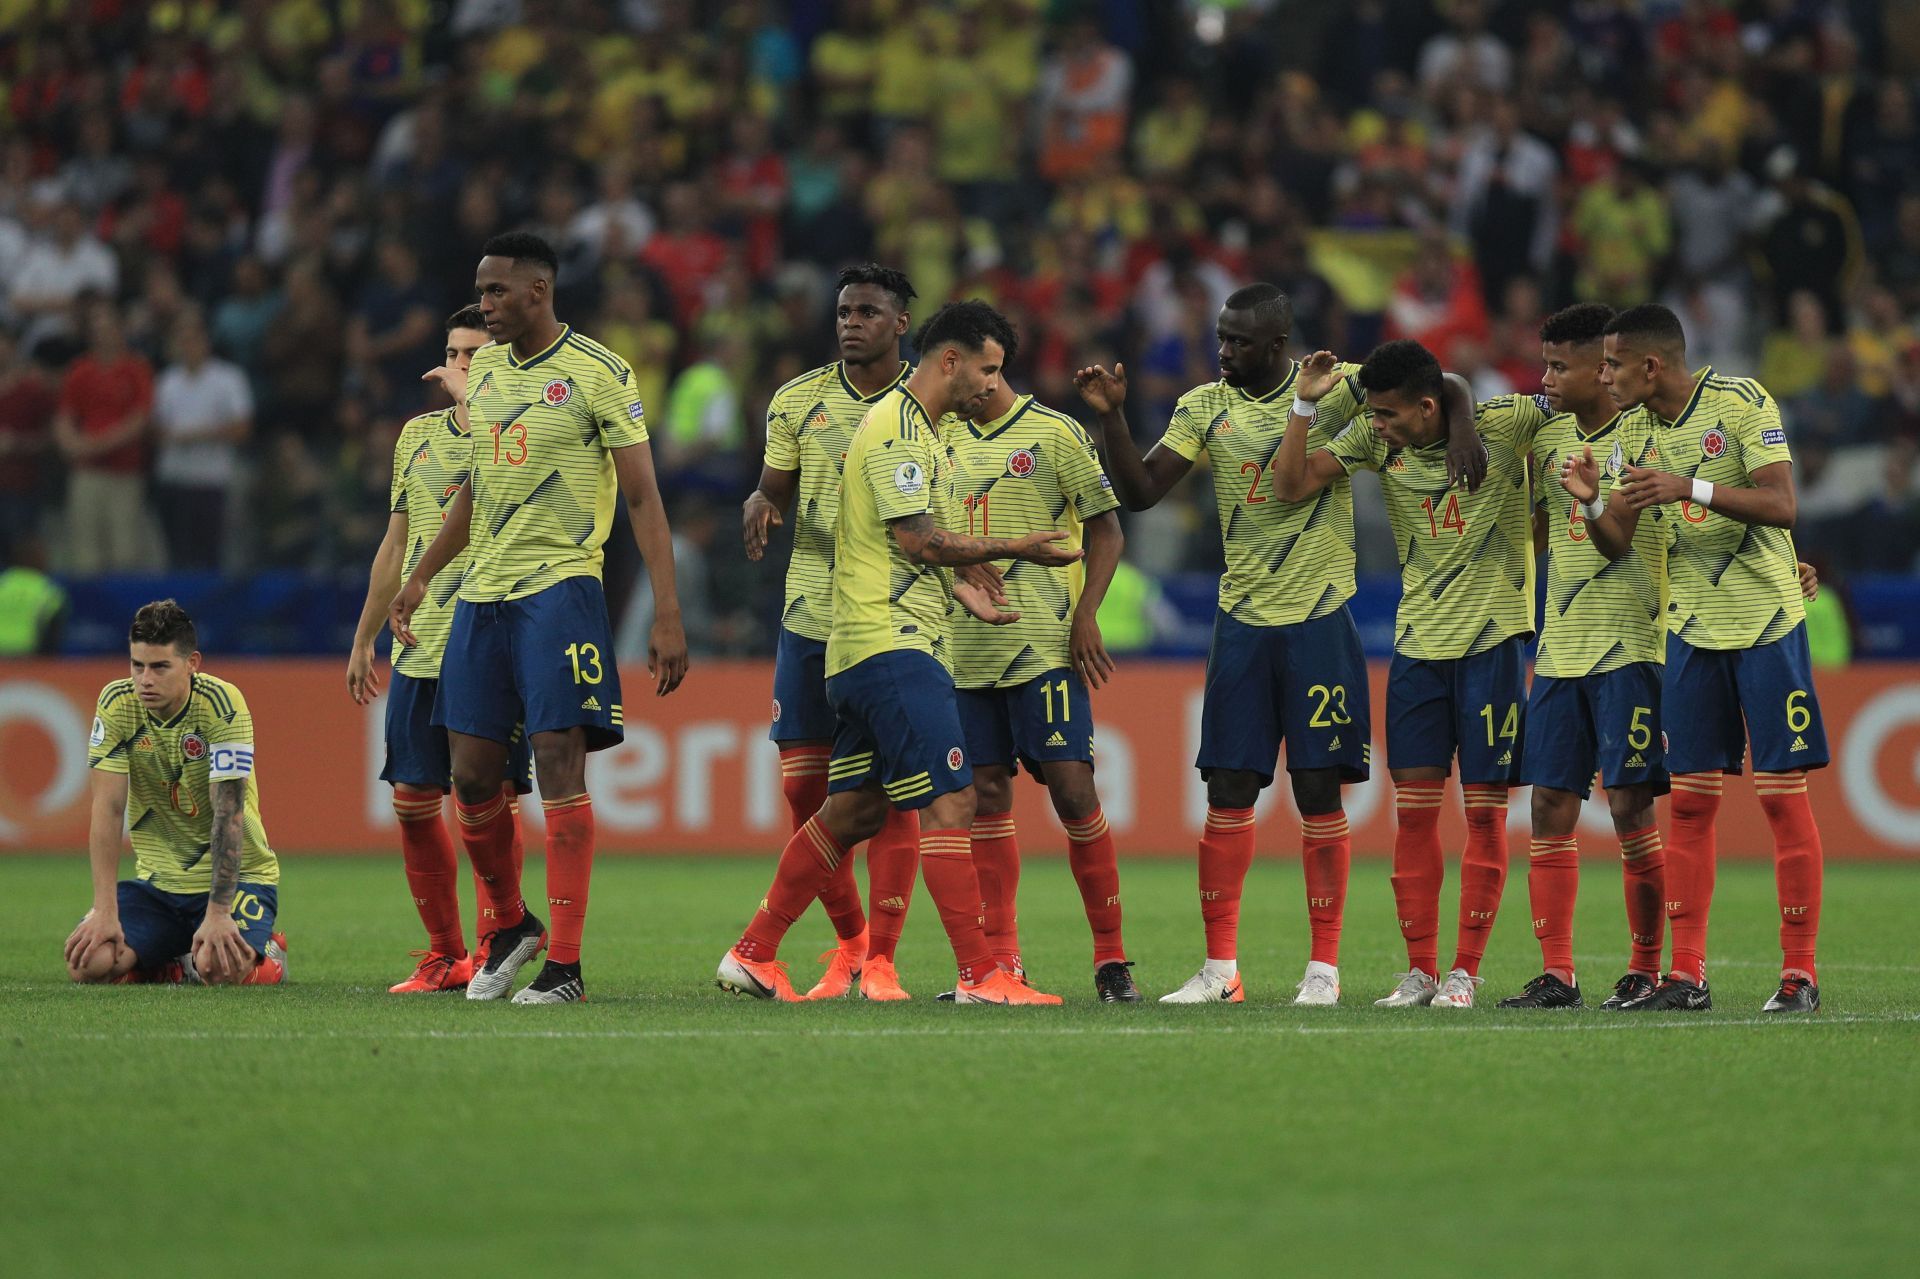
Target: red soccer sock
[[806, 864], [1226, 854], [1690, 865], [1643, 867], [1096, 869], [1797, 861], [1326, 853], [996, 861], [569, 873], [803, 780], [432, 868], [1553, 886], [480, 924], [1483, 871], [893, 863], [946, 861], [1419, 868], [488, 830]]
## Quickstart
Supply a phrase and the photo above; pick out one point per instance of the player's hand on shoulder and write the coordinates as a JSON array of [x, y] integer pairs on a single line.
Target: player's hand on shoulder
[[1319, 374], [1104, 392], [667, 653], [1580, 476], [1046, 549], [977, 602], [758, 516]]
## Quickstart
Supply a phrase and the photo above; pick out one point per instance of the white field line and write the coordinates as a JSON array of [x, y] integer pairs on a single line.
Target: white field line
[[1460, 1024]]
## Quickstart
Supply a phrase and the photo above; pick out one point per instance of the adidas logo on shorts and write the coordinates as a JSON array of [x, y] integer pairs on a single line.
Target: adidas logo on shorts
[[1505, 760], [1056, 739], [1635, 762], [1799, 744], [591, 704]]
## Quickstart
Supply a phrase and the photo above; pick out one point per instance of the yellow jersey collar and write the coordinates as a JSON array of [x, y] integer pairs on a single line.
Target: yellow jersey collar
[[566, 331], [1021, 404], [846, 384]]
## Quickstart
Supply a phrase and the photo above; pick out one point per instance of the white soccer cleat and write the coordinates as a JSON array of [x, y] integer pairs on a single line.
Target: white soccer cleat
[[1416, 990], [1456, 991], [1320, 988], [1208, 988], [507, 953]]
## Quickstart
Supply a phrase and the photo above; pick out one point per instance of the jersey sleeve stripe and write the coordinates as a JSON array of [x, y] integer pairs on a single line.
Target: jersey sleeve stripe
[[604, 360]]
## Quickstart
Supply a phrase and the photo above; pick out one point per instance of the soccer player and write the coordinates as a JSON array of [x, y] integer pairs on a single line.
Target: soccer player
[[557, 436], [1020, 467], [1738, 671], [1458, 682], [430, 464], [172, 749], [898, 736], [810, 422], [1595, 700], [1286, 662]]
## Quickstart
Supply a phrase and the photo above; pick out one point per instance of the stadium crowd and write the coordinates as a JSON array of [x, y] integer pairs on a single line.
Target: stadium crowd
[[230, 232]]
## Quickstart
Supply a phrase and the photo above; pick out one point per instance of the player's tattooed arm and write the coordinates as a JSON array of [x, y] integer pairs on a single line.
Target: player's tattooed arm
[[1466, 451], [1140, 482], [449, 542], [762, 511], [220, 952], [1298, 474], [925, 542]]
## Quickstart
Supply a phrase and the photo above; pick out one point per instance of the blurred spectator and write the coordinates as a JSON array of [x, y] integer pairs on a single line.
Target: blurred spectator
[[105, 412], [202, 414], [290, 501], [1503, 201], [1837, 411], [394, 335], [1438, 301], [1809, 240], [1465, 54], [1082, 105], [33, 607], [616, 226], [304, 344], [1516, 336], [1883, 342], [54, 274], [702, 438], [241, 320], [1624, 233], [1795, 358], [27, 405]]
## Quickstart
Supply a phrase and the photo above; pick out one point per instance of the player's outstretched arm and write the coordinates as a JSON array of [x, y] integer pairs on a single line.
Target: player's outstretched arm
[[219, 951], [1611, 528], [1104, 540], [925, 542], [761, 513], [1298, 474], [101, 927], [1140, 482], [1466, 451], [667, 643], [383, 583], [447, 543]]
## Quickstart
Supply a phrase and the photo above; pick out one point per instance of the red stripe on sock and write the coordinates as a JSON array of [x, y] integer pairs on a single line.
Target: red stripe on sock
[[1226, 854], [1797, 871], [893, 864], [996, 863], [1553, 886], [1419, 869], [1095, 861], [488, 832], [1643, 868], [1689, 875], [1483, 872], [946, 863], [802, 872], [1326, 856], [569, 875]]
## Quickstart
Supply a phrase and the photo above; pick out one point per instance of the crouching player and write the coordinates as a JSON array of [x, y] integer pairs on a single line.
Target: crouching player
[[171, 755], [1021, 468]]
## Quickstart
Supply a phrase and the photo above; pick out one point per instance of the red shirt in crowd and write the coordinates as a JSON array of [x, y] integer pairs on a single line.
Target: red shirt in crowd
[[100, 397], [26, 431]]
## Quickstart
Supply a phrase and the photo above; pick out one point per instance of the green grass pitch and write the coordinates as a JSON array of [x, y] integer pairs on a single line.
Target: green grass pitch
[[666, 1128]]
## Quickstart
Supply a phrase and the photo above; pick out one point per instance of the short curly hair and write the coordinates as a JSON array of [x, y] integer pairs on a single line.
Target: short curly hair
[[164, 622]]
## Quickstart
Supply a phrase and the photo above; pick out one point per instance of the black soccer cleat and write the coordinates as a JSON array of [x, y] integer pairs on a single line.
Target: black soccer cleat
[[1545, 991], [508, 951], [1629, 988], [1796, 995], [1673, 994], [1113, 982], [556, 984]]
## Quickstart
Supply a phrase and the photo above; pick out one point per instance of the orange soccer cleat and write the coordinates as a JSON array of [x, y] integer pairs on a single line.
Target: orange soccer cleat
[[880, 982], [436, 971], [843, 966], [1001, 987], [766, 979]]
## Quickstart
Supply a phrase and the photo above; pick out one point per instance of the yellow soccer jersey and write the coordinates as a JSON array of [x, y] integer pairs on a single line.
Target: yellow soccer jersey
[[1601, 614], [430, 462], [1287, 562], [1734, 585], [1029, 471], [543, 480], [1466, 559], [169, 767], [810, 422], [896, 467]]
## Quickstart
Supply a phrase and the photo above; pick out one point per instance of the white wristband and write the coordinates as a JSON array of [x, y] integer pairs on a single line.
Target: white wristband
[[1702, 493], [1594, 509], [1306, 408]]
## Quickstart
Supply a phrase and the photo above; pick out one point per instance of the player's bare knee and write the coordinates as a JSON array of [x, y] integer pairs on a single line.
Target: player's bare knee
[[1631, 807], [1315, 791], [1071, 788], [951, 811], [993, 790], [1232, 788], [1555, 812], [853, 816], [560, 763]]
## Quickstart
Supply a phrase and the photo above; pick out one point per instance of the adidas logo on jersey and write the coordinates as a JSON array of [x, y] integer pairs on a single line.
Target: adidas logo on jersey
[[1056, 739], [1635, 762], [591, 704], [1799, 744]]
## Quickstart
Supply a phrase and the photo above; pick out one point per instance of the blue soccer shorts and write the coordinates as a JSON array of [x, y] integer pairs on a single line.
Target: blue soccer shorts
[[1047, 719], [417, 750], [801, 712], [898, 724], [544, 661], [160, 925], [1304, 684], [1470, 706], [1609, 722], [1716, 701]]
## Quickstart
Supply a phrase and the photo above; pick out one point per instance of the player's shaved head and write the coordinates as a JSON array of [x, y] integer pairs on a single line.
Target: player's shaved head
[[1577, 325], [164, 622], [1270, 309], [1252, 332], [1650, 327], [524, 251]]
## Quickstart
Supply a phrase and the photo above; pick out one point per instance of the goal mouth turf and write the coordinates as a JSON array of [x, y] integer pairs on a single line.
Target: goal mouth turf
[[326, 1127]]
